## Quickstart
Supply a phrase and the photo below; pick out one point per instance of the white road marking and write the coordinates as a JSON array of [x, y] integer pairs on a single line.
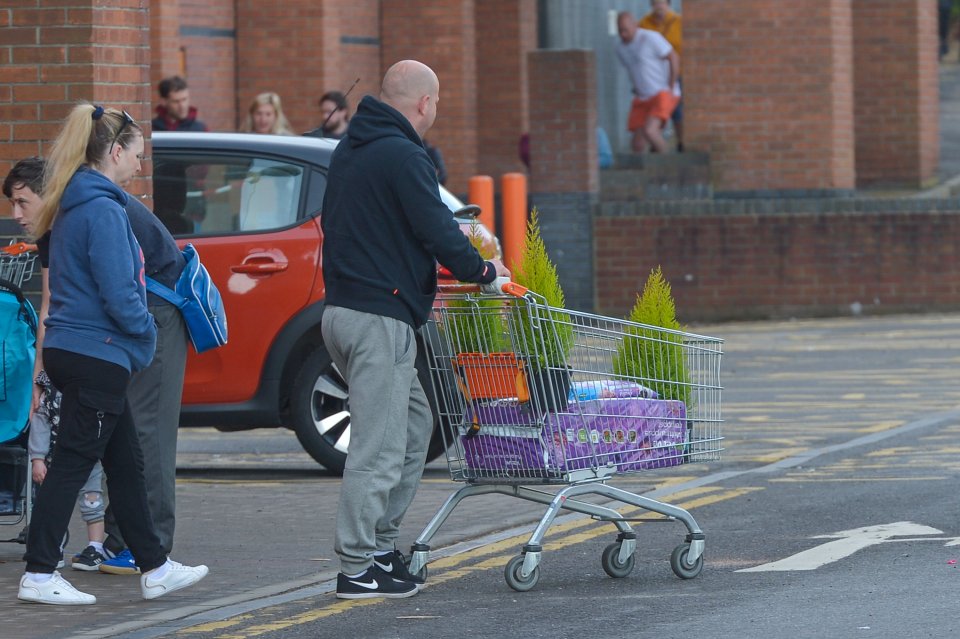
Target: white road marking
[[848, 542]]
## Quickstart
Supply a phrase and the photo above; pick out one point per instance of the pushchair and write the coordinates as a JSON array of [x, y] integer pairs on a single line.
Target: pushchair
[[18, 334]]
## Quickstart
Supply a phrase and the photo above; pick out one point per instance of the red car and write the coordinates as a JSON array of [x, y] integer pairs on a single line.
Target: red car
[[251, 206]]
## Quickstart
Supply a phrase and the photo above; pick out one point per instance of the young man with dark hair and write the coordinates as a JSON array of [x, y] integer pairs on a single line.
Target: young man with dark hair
[[176, 113], [336, 116]]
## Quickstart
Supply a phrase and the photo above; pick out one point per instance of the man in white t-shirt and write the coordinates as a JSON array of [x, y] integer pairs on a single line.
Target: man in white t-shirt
[[653, 67]]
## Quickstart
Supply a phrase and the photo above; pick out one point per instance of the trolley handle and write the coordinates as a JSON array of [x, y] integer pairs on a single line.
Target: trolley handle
[[499, 286], [18, 249]]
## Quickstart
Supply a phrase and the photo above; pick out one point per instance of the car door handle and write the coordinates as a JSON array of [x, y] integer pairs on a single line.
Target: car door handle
[[261, 268]]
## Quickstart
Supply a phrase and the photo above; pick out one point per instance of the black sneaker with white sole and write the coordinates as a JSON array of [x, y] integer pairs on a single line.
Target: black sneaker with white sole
[[88, 560], [373, 583], [395, 565]]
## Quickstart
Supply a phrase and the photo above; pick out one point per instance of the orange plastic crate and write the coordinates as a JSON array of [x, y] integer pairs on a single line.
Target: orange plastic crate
[[493, 376]]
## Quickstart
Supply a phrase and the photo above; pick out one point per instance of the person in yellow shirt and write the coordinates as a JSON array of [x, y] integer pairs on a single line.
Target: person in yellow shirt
[[669, 24]]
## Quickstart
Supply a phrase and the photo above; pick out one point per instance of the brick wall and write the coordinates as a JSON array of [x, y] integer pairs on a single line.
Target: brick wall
[[208, 40], [442, 35], [53, 56], [897, 91], [166, 57], [759, 259], [768, 93], [563, 117], [506, 31], [564, 177]]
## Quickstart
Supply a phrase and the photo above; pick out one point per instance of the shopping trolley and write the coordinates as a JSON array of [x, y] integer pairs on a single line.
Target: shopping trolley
[[18, 330], [531, 395]]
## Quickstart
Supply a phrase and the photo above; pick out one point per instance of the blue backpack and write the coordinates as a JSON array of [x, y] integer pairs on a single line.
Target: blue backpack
[[199, 302], [18, 339]]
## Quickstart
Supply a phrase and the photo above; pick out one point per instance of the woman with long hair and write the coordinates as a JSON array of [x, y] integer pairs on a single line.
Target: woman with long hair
[[98, 332], [265, 115]]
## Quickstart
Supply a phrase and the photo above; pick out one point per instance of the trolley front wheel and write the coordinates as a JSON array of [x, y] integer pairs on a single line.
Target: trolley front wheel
[[423, 573], [610, 560], [515, 579], [681, 568]]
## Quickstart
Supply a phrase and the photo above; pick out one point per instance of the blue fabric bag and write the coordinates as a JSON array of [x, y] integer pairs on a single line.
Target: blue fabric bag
[[199, 302], [18, 344]]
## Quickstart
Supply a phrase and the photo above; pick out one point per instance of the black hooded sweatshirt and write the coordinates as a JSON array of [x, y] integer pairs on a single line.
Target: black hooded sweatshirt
[[384, 224]]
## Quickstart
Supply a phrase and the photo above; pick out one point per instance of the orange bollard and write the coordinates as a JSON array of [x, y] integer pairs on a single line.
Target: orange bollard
[[480, 192], [514, 190]]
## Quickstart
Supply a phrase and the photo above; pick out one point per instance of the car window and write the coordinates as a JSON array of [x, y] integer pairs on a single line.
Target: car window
[[213, 195], [318, 186]]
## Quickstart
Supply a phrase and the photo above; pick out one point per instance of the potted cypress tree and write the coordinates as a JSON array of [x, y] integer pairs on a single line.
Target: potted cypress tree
[[475, 328], [545, 344], [649, 355]]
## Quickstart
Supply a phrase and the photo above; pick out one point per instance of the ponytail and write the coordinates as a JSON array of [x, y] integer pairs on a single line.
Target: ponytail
[[86, 138]]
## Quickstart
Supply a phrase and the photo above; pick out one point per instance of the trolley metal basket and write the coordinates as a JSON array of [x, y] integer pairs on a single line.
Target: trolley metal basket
[[17, 262], [530, 395]]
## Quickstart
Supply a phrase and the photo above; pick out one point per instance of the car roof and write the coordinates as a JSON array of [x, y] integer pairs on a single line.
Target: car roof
[[306, 149]]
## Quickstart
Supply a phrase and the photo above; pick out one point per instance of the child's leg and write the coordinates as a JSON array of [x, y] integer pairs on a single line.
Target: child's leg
[[92, 506]]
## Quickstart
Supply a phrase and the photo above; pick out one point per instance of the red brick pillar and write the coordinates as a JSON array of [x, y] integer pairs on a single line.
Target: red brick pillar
[[166, 56], [506, 31], [768, 92], [897, 91], [442, 35], [50, 58], [564, 174]]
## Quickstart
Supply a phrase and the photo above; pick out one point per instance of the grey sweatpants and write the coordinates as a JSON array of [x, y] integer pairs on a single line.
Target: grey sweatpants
[[391, 426], [154, 395]]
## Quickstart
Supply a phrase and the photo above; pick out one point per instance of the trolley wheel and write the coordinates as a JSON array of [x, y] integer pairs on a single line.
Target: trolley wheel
[[420, 574], [610, 560], [512, 573], [681, 568]]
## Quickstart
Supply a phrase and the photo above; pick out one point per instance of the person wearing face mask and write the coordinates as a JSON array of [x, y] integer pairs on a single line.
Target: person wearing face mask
[[98, 332]]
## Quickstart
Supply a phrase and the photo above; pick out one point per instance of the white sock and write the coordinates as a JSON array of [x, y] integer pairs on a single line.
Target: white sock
[[381, 553], [354, 576], [39, 577], [161, 571], [97, 545]]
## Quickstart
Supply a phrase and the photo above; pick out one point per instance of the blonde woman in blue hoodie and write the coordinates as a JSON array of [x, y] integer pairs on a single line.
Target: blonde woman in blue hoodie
[[98, 332]]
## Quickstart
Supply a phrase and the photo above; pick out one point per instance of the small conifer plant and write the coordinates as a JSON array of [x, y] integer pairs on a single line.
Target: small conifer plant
[[549, 343], [649, 355], [473, 324]]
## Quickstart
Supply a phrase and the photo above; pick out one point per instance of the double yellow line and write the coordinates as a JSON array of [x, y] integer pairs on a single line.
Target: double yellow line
[[560, 536]]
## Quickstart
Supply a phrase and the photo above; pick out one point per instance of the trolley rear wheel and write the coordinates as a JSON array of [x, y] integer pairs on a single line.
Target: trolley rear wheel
[[610, 560], [515, 579], [681, 568]]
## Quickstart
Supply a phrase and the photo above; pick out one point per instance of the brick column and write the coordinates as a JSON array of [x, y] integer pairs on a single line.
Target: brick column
[[506, 31], [50, 58], [768, 92], [564, 176], [295, 51], [897, 91], [166, 56], [442, 35]]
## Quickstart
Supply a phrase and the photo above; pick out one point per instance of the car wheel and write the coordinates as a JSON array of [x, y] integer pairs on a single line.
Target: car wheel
[[320, 411]]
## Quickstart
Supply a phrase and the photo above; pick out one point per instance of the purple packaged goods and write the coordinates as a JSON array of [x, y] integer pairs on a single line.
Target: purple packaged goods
[[628, 433]]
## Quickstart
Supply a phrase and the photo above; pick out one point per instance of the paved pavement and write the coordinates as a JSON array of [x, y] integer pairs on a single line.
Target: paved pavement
[[266, 529]]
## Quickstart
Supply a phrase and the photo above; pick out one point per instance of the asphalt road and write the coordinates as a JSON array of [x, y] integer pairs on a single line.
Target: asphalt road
[[831, 425]]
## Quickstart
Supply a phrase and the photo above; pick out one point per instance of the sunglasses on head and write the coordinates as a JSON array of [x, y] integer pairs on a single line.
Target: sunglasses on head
[[127, 119]]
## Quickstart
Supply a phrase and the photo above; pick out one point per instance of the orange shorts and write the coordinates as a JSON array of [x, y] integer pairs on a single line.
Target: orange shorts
[[660, 106]]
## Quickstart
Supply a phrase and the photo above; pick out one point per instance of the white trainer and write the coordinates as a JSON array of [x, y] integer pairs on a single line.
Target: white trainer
[[56, 590], [178, 576]]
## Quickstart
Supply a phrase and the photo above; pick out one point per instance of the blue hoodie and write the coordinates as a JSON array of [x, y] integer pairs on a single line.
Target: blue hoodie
[[98, 298], [384, 224]]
